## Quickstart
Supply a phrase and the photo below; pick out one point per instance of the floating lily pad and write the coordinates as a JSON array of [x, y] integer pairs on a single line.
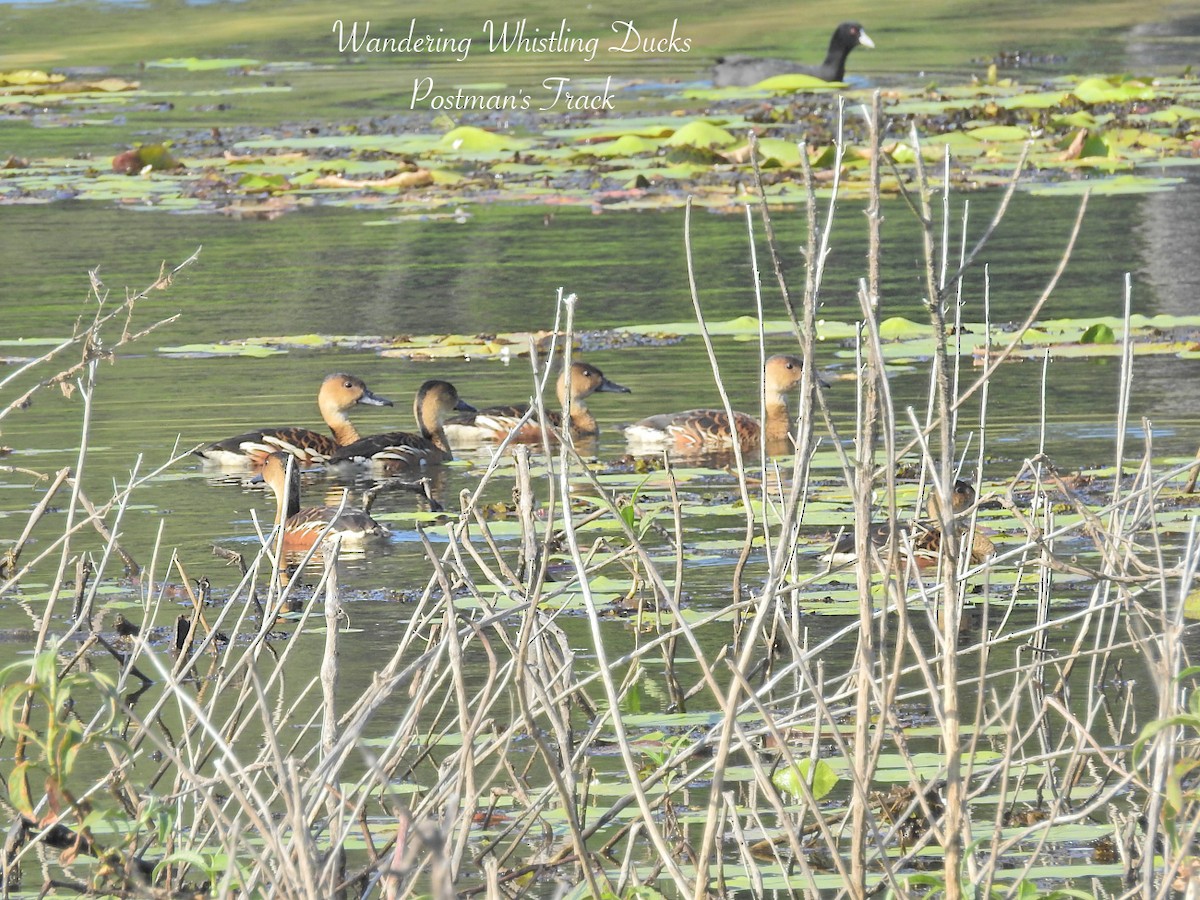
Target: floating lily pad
[[1191, 604], [470, 139], [1038, 100], [701, 134], [201, 351], [786, 152], [31, 76], [897, 328], [195, 64], [1120, 184], [820, 778], [998, 133], [1112, 90], [625, 145], [796, 81], [1098, 334]]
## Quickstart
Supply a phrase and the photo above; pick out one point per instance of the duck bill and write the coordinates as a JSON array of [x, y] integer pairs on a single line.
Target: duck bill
[[464, 406], [374, 399], [612, 387], [865, 40]]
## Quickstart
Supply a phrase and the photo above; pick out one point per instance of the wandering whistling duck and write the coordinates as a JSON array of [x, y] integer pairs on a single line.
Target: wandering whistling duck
[[303, 527], [496, 422], [339, 392], [927, 538], [962, 498], [401, 449], [927, 543], [743, 71], [699, 430]]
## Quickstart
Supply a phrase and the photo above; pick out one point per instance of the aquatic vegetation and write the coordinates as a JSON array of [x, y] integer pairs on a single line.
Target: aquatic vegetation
[[1102, 134], [904, 341], [143, 159], [433, 346]]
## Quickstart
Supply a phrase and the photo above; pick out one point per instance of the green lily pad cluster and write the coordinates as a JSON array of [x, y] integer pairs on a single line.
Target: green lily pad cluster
[[35, 82], [429, 346], [903, 340], [1105, 134], [906, 341]]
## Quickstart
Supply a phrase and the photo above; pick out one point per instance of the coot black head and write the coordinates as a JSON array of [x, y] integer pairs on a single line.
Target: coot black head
[[743, 71]]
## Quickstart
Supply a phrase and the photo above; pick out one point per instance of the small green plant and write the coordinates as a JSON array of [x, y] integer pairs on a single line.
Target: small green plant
[[38, 714], [658, 747], [821, 779], [1098, 334], [1181, 793], [630, 515]]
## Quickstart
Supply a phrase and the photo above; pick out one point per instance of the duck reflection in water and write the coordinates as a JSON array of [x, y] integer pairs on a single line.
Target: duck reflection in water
[[428, 486]]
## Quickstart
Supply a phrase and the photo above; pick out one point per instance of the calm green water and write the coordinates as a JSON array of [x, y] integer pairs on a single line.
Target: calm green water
[[338, 271], [335, 272]]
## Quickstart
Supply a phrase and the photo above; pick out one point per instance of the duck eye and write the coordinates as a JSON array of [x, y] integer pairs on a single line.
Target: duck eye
[[348, 384]]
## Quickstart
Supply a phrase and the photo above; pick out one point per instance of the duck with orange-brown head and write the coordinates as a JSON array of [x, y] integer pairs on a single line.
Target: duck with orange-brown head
[[304, 527], [495, 423], [703, 430], [927, 543], [339, 393], [395, 450], [927, 537]]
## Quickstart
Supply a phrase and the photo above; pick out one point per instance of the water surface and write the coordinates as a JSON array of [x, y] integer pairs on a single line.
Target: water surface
[[344, 272]]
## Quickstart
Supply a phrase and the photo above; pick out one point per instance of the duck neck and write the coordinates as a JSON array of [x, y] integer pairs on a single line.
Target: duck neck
[[778, 425], [339, 423], [430, 424], [437, 435], [287, 500], [582, 420]]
